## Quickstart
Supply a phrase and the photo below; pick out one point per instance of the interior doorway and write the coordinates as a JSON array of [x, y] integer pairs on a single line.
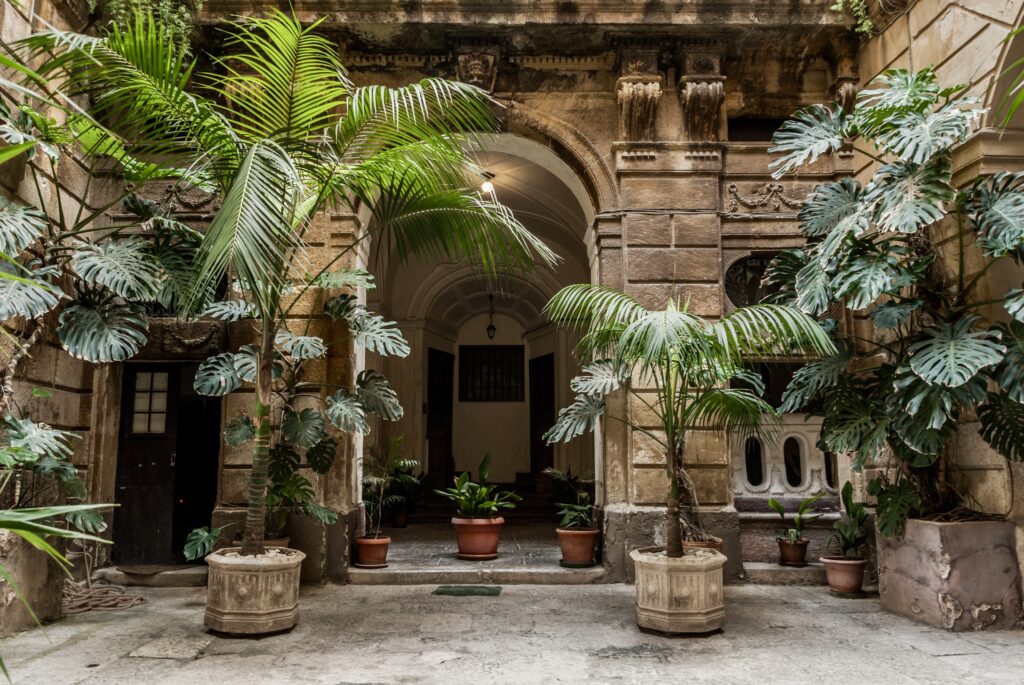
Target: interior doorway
[[542, 411], [440, 396], [167, 462]]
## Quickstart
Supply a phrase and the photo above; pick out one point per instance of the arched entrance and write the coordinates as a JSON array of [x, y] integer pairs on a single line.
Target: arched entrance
[[488, 371]]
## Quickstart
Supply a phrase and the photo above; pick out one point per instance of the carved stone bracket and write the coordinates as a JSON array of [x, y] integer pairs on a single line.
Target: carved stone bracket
[[478, 69], [845, 92], [701, 93], [638, 91]]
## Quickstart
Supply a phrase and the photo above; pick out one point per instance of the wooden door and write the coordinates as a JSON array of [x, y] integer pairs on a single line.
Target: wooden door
[[440, 396]]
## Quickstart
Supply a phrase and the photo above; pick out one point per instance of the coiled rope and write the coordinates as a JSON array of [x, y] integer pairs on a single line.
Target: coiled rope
[[81, 596]]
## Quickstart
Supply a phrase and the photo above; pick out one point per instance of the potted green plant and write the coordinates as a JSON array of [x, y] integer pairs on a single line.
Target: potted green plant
[[845, 571], [792, 545], [381, 473], [921, 257], [281, 134], [405, 489], [679, 366], [478, 523], [577, 535]]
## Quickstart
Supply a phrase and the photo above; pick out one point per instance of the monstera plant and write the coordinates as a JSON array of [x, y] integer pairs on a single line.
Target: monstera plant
[[908, 252]]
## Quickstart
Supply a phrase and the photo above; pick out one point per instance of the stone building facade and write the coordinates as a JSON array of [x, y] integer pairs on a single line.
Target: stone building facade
[[634, 141]]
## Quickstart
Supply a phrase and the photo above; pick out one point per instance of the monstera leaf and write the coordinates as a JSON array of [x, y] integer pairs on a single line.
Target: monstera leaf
[[811, 133], [379, 336], [811, 379], [345, 278], [29, 296], [37, 438], [125, 267], [997, 206], [780, 277], [1010, 372], [814, 292], [580, 416], [830, 204], [104, 331], [231, 310], [599, 378], [864, 279], [303, 428], [1002, 425], [897, 92], [951, 354], [890, 315], [1013, 302], [854, 425], [320, 456], [301, 346], [346, 412], [19, 226], [917, 137], [344, 308], [217, 376], [239, 430], [909, 197], [377, 396]]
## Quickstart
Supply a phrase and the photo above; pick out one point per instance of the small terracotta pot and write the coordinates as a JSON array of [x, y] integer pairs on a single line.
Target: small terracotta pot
[[793, 553], [714, 543], [844, 575], [372, 552], [578, 546], [478, 538]]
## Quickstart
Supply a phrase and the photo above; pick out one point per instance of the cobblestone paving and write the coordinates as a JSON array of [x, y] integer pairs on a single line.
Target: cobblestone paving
[[528, 634]]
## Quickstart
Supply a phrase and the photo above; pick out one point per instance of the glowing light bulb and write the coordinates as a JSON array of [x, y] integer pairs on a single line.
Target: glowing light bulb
[[487, 187]]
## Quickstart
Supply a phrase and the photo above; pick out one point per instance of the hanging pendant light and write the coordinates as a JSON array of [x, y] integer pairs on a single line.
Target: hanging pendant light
[[491, 330]]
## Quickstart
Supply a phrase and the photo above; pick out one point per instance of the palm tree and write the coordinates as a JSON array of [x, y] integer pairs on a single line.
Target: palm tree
[[688, 362], [281, 133]]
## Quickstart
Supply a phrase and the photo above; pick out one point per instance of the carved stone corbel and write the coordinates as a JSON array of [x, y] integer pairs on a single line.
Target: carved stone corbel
[[847, 85], [638, 91], [701, 93], [478, 69]]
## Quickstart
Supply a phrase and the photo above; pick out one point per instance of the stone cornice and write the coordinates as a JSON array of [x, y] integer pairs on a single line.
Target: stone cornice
[[988, 151]]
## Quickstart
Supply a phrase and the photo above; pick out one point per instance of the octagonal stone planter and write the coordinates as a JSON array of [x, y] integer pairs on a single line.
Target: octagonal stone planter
[[957, 576], [253, 595], [681, 595]]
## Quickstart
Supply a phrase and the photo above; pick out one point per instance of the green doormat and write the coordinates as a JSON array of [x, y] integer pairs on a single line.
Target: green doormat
[[468, 590]]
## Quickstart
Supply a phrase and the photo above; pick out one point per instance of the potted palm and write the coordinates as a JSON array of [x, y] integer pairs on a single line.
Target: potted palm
[[792, 545], [577, 535], [381, 474], [478, 523], [845, 571], [682, 365], [281, 134]]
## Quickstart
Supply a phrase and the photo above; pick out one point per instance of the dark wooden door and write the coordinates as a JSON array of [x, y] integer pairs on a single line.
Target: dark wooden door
[[144, 518], [542, 411], [440, 395]]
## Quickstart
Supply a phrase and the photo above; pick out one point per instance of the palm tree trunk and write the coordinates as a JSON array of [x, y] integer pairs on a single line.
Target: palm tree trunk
[[256, 514], [673, 528]]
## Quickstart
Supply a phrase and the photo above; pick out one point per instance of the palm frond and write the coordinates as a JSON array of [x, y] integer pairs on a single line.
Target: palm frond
[[771, 329], [735, 411]]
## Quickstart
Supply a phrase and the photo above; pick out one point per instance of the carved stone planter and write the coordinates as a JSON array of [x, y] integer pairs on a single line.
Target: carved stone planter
[[957, 576], [681, 595], [253, 595]]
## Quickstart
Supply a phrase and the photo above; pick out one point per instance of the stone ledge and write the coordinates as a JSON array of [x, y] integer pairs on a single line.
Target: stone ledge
[[192, 576], [455, 576], [766, 573]]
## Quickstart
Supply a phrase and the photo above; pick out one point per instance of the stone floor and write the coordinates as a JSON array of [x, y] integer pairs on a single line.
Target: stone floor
[[528, 634]]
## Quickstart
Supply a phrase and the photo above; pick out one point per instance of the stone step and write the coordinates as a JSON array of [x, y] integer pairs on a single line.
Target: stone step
[[190, 576], [476, 575], [767, 573]]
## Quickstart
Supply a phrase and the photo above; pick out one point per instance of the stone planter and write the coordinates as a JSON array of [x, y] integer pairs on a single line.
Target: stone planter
[[253, 595], [957, 576], [681, 595]]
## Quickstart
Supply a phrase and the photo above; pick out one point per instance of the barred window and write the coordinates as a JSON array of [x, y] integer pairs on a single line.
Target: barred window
[[491, 373]]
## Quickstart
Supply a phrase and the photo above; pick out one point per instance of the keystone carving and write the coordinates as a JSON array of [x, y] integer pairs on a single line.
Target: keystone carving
[[478, 69], [701, 93], [638, 91]]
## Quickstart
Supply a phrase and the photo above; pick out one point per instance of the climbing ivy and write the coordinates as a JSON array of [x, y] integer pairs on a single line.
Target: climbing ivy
[[176, 15], [858, 9]]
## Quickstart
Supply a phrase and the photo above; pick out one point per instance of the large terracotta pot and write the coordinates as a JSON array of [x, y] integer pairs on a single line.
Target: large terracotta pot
[[792, 553], [372, 552], [478, 538], [253, 595], [844, 575], [682, 595], [578, 545]]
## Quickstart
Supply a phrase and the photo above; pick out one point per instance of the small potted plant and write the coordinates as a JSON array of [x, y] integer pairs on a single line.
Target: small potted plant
[[845, 572], [478, 524], [577, 535], [792, 545], [382, 473]]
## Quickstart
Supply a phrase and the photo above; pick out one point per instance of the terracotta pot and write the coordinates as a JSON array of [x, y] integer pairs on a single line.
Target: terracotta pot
[[714, 543], [253, 595], [372, 552], [578, 546], [844, 575], [792, 553], [478, 538], [681, 595]]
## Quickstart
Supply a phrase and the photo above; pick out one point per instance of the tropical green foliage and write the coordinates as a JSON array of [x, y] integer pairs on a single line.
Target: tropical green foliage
[[479, 499], [678, 367], [935, 357], [801, 517], [388, 482], [580, 512], [850, 531]]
